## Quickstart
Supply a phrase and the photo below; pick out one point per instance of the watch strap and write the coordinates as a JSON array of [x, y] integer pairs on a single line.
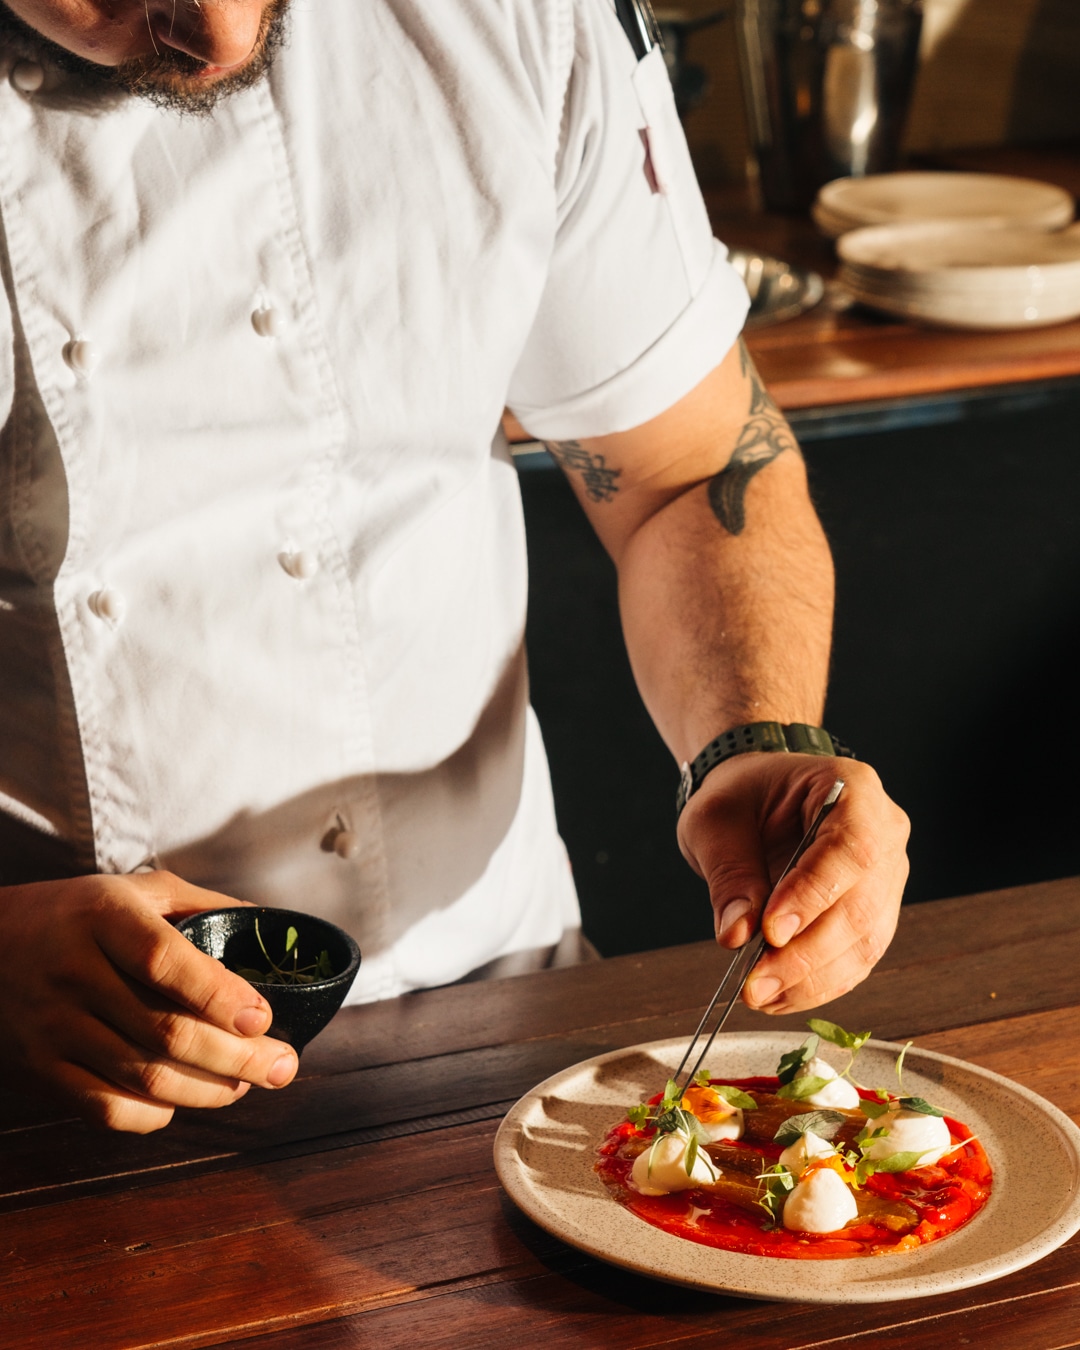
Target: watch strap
[[793, 738]]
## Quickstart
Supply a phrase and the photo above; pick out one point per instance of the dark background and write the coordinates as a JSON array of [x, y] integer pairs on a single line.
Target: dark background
[[954, 673]]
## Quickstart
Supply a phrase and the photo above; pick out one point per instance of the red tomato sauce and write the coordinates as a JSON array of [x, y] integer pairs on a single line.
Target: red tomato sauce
[[945, 1196]]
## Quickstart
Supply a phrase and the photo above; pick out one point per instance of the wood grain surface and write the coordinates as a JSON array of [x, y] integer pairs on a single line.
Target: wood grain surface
[[287, 1221]]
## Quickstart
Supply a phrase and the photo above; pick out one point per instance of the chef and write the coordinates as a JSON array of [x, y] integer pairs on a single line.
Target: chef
[[270, 275]]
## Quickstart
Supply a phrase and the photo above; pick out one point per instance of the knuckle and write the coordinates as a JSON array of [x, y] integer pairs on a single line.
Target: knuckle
[[157, 957], [799, 969], [176, 1033], [862, 920], [250, 1065], [812, 896], [151, 1078], [861, 848]]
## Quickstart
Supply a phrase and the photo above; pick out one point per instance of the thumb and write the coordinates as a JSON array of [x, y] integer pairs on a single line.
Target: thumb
[[174, 898]]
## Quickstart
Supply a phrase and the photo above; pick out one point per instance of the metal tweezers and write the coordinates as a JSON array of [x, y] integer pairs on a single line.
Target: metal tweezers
[[748, 955]]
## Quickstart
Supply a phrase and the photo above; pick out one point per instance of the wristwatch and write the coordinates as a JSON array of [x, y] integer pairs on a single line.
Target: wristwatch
[[796, 738]]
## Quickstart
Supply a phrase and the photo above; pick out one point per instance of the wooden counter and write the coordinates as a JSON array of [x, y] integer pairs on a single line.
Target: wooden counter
[[359, 1207]]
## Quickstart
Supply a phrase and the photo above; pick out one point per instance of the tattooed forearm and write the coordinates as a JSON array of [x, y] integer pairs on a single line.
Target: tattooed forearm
[[598, 480], [764, 436]]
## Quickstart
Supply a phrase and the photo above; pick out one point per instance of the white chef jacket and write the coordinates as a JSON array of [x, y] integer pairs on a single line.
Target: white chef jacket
[[262, 560]]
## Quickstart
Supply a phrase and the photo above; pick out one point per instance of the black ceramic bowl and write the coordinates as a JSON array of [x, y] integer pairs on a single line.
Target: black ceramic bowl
[[300, 1010]]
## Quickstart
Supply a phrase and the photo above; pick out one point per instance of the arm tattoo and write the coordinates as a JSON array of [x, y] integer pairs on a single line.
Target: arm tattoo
[[765, 435], [598, 480]]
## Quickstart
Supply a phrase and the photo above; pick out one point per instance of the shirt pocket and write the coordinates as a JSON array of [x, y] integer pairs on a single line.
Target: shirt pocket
[[672, 170]]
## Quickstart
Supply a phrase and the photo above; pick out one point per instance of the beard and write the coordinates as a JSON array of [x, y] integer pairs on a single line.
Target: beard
[[168, 79]]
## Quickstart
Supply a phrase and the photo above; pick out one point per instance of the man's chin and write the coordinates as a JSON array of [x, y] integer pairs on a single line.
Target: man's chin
[[169, 79], [193, 88]]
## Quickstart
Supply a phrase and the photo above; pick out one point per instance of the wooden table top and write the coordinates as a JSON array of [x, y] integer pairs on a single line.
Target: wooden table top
[[359, 1207]]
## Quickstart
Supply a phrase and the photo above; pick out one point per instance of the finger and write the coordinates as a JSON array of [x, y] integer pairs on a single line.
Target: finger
[[731, 862], [863, 836], [171, 1033], [104, 1104], [831, 956], [154, 1078], [146, 947]]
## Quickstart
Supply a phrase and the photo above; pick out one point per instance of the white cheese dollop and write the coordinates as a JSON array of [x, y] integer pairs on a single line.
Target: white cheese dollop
[[910, 1132], [820, 1203], [668, 1167], [808, 1145], [837, 1092], [731, 1127]]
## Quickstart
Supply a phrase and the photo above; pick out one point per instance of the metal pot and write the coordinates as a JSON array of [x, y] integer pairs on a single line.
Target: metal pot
[[827, 86]]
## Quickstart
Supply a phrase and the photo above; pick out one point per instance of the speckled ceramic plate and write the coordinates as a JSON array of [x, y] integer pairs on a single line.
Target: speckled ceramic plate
[[545, 1150]]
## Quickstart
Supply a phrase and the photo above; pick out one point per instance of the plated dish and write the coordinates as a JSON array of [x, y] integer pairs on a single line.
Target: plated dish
[[806, 1164], [546, 1152]]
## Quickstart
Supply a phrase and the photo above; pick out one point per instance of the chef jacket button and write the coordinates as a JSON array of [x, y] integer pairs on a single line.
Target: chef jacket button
[[301, 564], [82, 356], [107, 605], [27, 76], [346, 845], [269, 322]]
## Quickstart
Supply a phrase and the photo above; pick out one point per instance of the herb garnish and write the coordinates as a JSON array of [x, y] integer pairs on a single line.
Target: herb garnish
[[824, 1124], [795, 1088], [779, 1181], [285, 973], [793, 1061], [800, 1088], [846, 1040], [669, 1114], [918, 1104]]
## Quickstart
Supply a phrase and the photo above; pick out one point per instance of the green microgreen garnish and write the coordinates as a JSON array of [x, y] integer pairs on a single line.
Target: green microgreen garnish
[[691, 1155], [779, 1181], [898, 1162], [846, 1040], [792, 1062], [824, 1124], [800, 1088], [873, 1110], [900, 1064], [918, 1104], [284, 972], [669, 1115], [735, 1097]]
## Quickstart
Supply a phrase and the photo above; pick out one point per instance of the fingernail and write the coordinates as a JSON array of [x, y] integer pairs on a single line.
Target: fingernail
[[252, 1021], [282, 1071], [783, 929], [730, 916], [764, 990]]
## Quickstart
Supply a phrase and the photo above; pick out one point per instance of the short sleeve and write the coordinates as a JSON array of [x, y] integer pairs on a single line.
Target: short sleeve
[[640, 302]]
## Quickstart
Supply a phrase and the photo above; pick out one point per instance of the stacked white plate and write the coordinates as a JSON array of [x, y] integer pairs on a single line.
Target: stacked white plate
[[903, 198], [965, 276]]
